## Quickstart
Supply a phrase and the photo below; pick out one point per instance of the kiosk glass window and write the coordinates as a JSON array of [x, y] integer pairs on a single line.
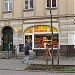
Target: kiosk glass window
[[40, 40], [28, 38]]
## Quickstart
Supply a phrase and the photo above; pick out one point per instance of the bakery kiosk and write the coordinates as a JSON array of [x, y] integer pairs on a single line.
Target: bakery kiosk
[[38, 34]]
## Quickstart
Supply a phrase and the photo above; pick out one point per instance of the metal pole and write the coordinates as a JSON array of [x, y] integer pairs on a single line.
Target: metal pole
[[47, 55], [52, 33], [58, 53]]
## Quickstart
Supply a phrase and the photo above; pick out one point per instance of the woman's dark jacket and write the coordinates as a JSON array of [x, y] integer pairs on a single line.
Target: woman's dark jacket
[[26, 50]]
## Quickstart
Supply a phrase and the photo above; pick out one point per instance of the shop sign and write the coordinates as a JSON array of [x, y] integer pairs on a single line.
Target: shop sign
[[29, 30], [40, 28]]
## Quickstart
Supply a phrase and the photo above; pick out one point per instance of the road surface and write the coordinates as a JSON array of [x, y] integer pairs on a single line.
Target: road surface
[[10, 72]]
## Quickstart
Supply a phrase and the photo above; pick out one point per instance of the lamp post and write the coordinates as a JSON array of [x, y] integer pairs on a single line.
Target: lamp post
[[52, 32]]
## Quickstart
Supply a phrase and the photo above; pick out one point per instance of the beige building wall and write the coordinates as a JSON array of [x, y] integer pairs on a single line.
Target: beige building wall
[[74, 6], [28, 13], [7, 15], [66, 6], [62, 7], [39, 8], [62, 17], [17, 8], [66, 28], [0, 8], [70, 6], [66, 24]]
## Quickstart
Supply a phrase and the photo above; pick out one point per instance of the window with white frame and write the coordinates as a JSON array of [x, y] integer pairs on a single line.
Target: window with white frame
[[51, 3], [8, 5], [28, 4]]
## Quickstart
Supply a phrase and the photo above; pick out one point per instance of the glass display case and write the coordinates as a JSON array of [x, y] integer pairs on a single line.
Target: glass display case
[[40, 40]]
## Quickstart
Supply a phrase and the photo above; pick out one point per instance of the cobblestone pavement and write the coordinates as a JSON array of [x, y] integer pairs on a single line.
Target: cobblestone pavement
[[16, 64]]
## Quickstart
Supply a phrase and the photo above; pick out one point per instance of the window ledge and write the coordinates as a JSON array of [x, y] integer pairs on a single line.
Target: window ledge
[[28, 9], [52, 8], [7, 11]]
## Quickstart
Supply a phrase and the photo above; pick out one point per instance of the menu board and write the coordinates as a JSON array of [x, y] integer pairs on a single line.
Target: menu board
[[21, 47], [71, 39]]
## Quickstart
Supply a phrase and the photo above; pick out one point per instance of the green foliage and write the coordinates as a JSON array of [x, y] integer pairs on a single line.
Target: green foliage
[[51, 68], [62, 68]]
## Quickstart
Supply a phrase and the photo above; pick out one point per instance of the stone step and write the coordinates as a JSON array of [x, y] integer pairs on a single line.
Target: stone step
[[5, 54], [21, 55]]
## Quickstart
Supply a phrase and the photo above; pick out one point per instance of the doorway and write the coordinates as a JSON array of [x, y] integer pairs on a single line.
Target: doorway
[[7, 39], [28, 38]]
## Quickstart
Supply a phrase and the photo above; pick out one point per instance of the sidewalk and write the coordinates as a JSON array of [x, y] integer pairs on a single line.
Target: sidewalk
[[62, 61], [16, 64], [12, 64]]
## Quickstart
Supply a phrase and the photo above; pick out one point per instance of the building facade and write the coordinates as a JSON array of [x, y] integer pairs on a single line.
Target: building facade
[[20, 19]]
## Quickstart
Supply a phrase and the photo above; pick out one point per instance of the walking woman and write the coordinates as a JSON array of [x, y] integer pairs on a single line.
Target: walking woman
[[26, 58]]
